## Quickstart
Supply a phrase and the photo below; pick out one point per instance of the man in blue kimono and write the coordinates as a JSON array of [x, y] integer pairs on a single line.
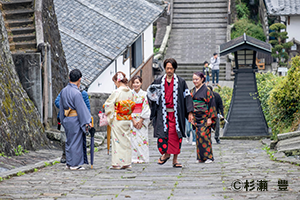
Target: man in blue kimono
[[74, 116]]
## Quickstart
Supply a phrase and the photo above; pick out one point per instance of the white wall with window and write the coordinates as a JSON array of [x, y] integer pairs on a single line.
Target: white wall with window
[[293, 28], [123, 66], [148, 43], [104, 83]]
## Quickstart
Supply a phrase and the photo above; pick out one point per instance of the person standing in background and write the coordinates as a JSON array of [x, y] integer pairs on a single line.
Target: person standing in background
[[215, 62], [206, 72], [220, 112]]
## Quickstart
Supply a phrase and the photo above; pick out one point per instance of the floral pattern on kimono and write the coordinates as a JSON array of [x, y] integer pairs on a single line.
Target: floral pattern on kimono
[[120, 129], [139, 137]]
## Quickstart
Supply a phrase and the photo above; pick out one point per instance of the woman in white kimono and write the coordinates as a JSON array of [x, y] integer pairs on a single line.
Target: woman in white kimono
[[140, 121], [118, 109]]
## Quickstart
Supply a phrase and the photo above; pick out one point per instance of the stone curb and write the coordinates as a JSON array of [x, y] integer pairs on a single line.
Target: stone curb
[[280, 156], [39, 165], [27, 169]]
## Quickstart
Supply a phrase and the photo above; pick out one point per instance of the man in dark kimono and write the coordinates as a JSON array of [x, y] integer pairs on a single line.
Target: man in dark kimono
[[74, 116], [168, 112]]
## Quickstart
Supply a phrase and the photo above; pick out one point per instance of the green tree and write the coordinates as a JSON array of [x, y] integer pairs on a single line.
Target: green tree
[[245, 26], [242, 10], [279, 45]]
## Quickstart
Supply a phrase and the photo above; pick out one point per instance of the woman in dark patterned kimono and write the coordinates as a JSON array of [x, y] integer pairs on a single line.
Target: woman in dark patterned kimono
[[204, 117]]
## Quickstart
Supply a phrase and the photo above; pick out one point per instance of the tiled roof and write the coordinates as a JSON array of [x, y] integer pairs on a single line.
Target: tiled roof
[[244, 42], [283, 7], [94, 32]]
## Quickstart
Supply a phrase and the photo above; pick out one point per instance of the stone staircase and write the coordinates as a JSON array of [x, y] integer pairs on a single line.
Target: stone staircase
[[199, 27], [19, 21]]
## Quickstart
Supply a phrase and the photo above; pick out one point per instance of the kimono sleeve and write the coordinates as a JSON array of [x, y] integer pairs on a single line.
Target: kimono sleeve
[[109, 106], [188, 99], [145, 114], [84, 115], [210, 99]]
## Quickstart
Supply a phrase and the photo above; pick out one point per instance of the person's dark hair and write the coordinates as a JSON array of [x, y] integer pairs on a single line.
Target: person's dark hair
[[205, 62], [211, 88], [201, 75], [215, 54], [75, 75], [124, 80], [172, 61], [137, 77]]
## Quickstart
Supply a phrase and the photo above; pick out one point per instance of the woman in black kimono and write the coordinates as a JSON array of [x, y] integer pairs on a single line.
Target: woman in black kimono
[[204, 117]]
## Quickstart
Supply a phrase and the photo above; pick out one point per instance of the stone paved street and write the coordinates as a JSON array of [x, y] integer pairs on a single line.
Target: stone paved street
[[234, 159]]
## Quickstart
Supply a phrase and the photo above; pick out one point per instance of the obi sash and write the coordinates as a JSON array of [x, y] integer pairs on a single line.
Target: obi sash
[[70, 113], [124, 109], [138, 108]]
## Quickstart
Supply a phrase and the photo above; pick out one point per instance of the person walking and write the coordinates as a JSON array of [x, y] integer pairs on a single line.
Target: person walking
[[170, 103], [85, 97], [188, 130], [206, 72], [74, 116], [204, 117], [220, 113], [140, 121], [215, 62], [118, 108]]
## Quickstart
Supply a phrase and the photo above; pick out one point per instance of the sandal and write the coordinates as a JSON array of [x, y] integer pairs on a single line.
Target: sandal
[[177, 165], [77, 168], [115, 168], [126, 167], [163, 161]]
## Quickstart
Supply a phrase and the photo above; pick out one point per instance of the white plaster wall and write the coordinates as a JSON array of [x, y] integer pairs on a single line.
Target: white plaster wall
[[294, 28], [124, 67], [148, 43], [104, 83]]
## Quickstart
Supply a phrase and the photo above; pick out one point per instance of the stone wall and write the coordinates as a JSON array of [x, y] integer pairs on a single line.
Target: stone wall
[[19, 119], [58, 59], [96, 102]]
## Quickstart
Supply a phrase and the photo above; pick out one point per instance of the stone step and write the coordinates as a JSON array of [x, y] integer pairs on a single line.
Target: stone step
[[200, 11], [200, 16], [199, 21], [16, 4], [18, 14], [19, 23], [20, 38], [199, 26], [200, 5], [289, 135], [19, 31], [22, 45], [288, 144]]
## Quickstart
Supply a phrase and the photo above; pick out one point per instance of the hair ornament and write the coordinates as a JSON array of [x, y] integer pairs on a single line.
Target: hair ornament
[[120, 77]]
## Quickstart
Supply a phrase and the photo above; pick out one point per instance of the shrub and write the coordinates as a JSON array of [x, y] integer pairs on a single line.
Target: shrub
[[284, 100], [226, 94], [265, 84], [245, 26]]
